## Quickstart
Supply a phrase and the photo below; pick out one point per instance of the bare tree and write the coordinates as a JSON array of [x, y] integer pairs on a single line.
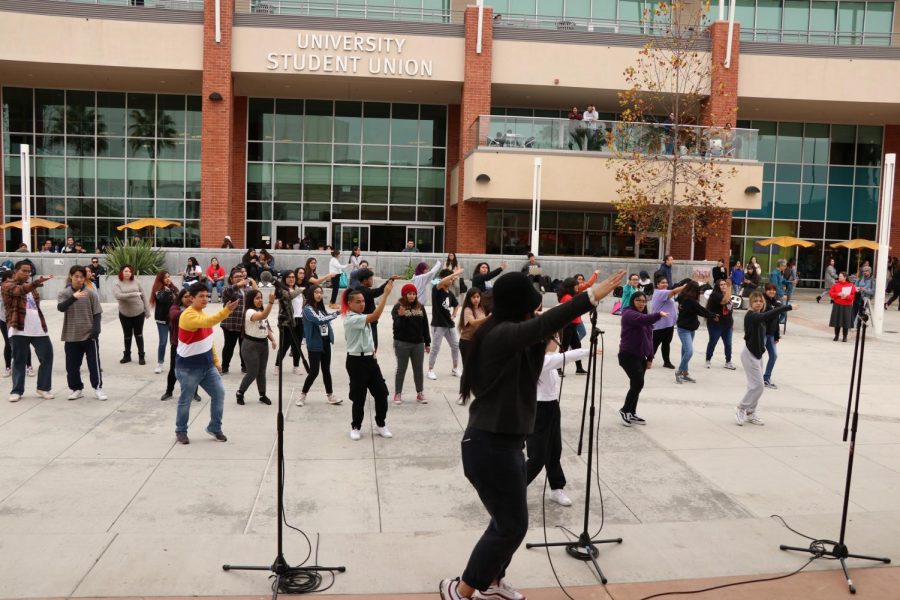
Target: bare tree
[[670, 172]]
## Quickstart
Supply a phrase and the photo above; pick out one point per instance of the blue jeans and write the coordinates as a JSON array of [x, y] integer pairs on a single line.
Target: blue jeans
[[219, 285], [580, 330], [163, 330], [208, 379], [773, 356], [687, 348], [715, 333], [21, 352]]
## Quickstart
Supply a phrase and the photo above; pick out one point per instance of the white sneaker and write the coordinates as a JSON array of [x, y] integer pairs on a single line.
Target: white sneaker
[[460, 401], [740, 415], [29, 371], [355, 435], [501, 591], [76, 394], [560, 498], [755, 419], [332, 399], [383, 431], [730, 366], [158, 368], [708, 364], [275, 371], [45, 394], [298, 371], [100, 394], [431, 374], [301, 399], [456, 372], [7, 372], [15, 397]]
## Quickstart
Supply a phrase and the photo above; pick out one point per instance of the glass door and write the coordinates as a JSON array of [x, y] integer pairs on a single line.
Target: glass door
[[316, 235], [350, 235], [286, 232], [422, 236]]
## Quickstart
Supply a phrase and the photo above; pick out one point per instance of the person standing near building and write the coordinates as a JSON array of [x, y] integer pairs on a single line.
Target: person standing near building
[[27, 328], [664, 329], [290, 319], [319, 337], [843, 294], [719, 303], [666, 269], [473, 315], [636, 352], [412, 341], [97, 271], [737, 277], [255, 350], [865, 290], [239, 285], [423, 277], [751, 357], [80, 331], [370, 293], [133, 309], [790, 279], [570, 338], [162, 296], [182, 301], [197, 364], [362, 368], [482, 277], [720, 271], [444, 307], [337, 270], [689, 313], [830, 278], [773, 335], [633, 285], [410, 247]]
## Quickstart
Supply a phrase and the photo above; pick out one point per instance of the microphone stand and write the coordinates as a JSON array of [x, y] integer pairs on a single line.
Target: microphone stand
[[839, 549], [280, 567], [585, 548]]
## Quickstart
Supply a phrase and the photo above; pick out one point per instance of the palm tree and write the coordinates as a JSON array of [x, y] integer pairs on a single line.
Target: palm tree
[[78, 120], [143, 128]]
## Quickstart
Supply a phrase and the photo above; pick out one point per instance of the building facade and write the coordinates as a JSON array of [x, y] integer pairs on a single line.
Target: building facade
[[371, 122]]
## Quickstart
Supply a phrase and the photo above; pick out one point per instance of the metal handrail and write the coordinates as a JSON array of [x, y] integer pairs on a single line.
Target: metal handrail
[[336, 9], [821, 38], [567, 23], [195, 5]]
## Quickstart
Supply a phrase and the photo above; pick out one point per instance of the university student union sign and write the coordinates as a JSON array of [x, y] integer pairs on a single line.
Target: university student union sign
[[351, 54]]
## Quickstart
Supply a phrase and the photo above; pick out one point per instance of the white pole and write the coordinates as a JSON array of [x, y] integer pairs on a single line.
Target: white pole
[[25, 174], [730, 34], [536, 207], [480, 26], [218, 21], [721, 10], [884, 237]]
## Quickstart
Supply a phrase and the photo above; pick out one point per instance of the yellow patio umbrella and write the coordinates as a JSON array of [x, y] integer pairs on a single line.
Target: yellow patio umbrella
[[36, 223], [786, 241], [151, 222], [857, 244]]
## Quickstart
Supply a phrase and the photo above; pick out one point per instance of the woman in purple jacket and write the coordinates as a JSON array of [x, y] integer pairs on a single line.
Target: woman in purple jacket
[[636, 352]]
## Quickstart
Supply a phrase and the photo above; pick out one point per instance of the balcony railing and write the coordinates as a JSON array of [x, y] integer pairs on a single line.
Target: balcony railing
[[821, 38], [521, 134], [172, 4], [338, 9], [579, 24]]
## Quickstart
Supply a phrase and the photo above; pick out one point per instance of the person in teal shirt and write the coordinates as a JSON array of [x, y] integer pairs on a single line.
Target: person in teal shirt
[[633, 285]]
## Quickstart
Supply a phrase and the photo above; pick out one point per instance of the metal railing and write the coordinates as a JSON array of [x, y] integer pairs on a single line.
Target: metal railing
[[579, 24], [821, 38], [348, 11], [497, 132], [171, 4]]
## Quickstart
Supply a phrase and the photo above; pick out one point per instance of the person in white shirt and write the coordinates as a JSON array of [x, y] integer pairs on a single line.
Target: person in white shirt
[[544, 444], [591, 119], [255, 350], [337, 269]]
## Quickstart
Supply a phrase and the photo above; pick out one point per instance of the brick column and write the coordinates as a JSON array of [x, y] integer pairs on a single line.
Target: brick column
[[892, 145], [218, 119], [238, 211], [721, 110], [453, 145], [471, 217]]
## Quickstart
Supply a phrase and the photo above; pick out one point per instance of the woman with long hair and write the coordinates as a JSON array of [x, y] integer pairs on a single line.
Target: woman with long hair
[[290, 324], [472, 317], [192, 273], [843, 293], [664, 329], [182, 301], [133, 309], [451, 264], [215, 277], [570, 339], [336, 269], [636, 352], [773, 334], [355, 259], [250, 261], [482, 276], [255, 351], [720, 303], [319, 339], [310, 276], [412, 341], [162, 296], [689, 313], [501, 375]]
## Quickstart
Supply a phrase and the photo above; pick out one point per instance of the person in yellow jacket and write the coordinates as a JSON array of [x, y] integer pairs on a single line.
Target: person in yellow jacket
[[197, 363]]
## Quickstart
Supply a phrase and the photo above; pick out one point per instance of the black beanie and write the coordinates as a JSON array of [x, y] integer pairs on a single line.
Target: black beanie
[[514, 297]]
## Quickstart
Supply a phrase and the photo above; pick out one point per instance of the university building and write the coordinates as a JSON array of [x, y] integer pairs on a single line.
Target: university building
[[370, 122]]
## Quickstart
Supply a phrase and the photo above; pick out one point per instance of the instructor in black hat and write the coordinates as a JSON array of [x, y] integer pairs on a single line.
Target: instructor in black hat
[[500, 375]]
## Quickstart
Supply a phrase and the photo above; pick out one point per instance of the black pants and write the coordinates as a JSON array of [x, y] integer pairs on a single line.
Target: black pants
[[133, 327], [255, 354], [495, 466], [322, 358], [365, 375], [464, 350], [75, 354], [291, 339], [571, 341], [170, 380], [663, 337], [634, 367], [544, 446], [232, 338], [894, 296], [335, 288]]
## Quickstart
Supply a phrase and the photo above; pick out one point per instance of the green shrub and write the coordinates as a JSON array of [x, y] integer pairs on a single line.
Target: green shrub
[[145, 259], [409, 271]]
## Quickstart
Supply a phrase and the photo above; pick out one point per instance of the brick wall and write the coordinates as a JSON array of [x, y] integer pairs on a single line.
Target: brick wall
[[471, 217], [218, 119], [453, 154], [892, 145], [238, 210]]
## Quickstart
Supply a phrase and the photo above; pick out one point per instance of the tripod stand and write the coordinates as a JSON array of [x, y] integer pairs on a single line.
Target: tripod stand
[[280, 566], [585, 548], [839, 549]]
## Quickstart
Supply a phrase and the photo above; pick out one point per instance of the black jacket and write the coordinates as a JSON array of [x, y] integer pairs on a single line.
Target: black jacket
[[165, 297], [479, 280], [772, 327], [689, 311], [412, 327], [725, 311], [755, 328]]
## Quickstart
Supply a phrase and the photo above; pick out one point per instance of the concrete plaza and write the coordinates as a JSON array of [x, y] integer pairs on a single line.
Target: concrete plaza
[[97, 500]]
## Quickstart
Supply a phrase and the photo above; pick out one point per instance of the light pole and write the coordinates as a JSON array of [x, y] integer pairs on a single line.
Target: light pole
[[25, 174], [536, 207]]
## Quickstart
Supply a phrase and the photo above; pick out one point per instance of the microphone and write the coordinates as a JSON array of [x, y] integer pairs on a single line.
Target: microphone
[[265, 279]]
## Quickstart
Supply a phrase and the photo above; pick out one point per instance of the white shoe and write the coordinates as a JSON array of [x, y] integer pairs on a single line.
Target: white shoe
[[45, 394], [708, 364], [298, 371], [730, 366], [15, 397], [355, 435], [76, 394], [560, 498], [460, 401], [740, 415], [100, 394], [158, 368], [332, 399], [456, 372], [301, 399], [275, 371], [755, 419], [383, 431], [29, 371], [431, 374], [7, 372]]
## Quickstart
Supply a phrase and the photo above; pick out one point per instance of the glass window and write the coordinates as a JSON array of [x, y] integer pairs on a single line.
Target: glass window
[[259, 181], [433, 126], [767, 137], [169, 179], [346, 184], [851, 17], [522, 7], [110, 178], [790, 142], [376, 123], [194, 117], [815, 143], [865, 204], [348, 122], [787, 201], [374, 185], [879, 17], [840, 176], [765, 208], [288, 120], [404, 155], [316, 184], [631, 10], [375, 155], [815, 174], [550, 8], [49, 111], [868, 145], [287, 183], [789, 173], [812, 202], [603, 10], [768, 14], [404, 125], [843, 143], [823, 22], [284, 152], [403, 186], [319, 121], [171, 115], [578, 8], [431, 187], [260, 119], [141, 115], [796, 15], [80, 114], [868, 176], [840, 200], [347, 154], [18, 109], [745, 14], [49, 177]]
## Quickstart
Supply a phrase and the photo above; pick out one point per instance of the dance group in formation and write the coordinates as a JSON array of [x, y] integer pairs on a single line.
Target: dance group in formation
[[508, 353]]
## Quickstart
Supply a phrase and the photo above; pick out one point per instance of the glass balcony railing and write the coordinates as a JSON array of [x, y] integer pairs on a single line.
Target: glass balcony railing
[[354, 11], [572, 23], [519, 134], [173, 4]]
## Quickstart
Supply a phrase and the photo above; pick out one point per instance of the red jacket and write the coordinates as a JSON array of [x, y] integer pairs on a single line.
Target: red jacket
[[215, 274], [835, 293]]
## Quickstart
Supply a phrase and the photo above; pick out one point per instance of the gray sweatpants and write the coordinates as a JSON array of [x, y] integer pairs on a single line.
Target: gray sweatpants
[[753, 368], [256, 357], [437, 337], [406, 352]]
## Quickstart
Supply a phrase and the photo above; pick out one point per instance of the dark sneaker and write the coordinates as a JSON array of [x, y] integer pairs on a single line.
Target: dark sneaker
[[240, 398], [166, 396], [638, 420], [668, 366], [197, 398], [265, 400], [224, 371], [770, 385], [626, 418], [182, 438], [688, 378], [220, 437], [449, 590]]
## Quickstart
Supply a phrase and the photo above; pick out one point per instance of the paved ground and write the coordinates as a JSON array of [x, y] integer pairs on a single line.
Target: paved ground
[[96, 499]]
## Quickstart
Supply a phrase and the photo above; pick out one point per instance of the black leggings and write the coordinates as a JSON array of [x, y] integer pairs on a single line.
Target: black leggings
[[663, 337], [133, 326], [232, 339], [635, 367], [319, 358], [170, 380], [335, 288], [291, 342], [570, 341]]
